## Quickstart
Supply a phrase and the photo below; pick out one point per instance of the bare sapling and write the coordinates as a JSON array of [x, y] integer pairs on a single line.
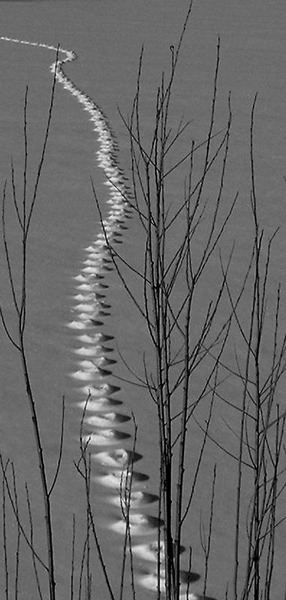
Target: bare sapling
[[24, 209], [261, 436], [181, 240], [83, 467]]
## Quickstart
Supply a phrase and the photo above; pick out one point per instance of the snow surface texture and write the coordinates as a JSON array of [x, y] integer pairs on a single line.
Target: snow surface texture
[[102, 418]]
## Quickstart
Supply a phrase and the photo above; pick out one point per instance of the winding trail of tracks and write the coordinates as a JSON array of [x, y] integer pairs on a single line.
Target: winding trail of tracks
[[104, 422]]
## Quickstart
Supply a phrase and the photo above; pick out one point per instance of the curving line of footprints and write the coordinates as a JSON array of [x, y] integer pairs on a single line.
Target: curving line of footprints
[[102, 416]]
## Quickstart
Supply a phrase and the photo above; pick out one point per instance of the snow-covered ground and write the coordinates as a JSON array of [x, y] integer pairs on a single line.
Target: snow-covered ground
[[107, 37]]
